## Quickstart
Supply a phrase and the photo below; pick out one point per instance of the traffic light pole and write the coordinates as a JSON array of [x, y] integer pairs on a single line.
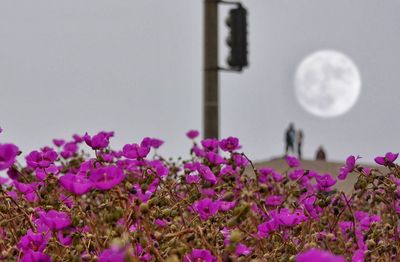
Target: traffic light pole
[[211, 66], [211, 81]]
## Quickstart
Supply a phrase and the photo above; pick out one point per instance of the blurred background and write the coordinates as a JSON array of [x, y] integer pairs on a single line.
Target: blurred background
[[135, 67]]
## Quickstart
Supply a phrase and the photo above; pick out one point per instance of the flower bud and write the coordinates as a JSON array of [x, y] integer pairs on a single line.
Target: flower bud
[[143, 242], [233, 222], [336, 211], [173, 227], [371, 244], [79, 248], [236, 236], [152, 202], [229, 196], [144, 208], [144, 187], [360, 184], [118, 213], [173, 258], [5, 253], [109, 218], [166, 212], [75, 221], [128, 186], [174, 213], [330, 236], [190, 237], [263, 188], [117, 242], [322, 203]]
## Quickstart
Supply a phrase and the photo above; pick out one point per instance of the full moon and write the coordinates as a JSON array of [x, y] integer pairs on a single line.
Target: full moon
[[327, 83]]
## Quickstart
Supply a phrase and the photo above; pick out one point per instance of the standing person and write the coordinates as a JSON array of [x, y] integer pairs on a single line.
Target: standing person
[[321, 155], [289, 138], [299, 141]]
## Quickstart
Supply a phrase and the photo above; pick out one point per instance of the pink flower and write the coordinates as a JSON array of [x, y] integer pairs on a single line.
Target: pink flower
[[264, 173], [134, 151], [161, 170], [200, 255], [58, 142], [77, 138], [227, 170], [105, 178], [98, 141], [240, 160], [286, 218], [28, 190], [8, 153], [192, 134], [348, 168], [113, 254], [366, 220], [151, 142], [292, 161], [358, 255], [206, 208], [32, 256], [197, 151], [41, 159], [13, 194], [308, 204], [345, 226], [65, 238], [386, 160], [25, 188], [161, 222], [208, 192], [277, 177], [67, 200], [229, 144], [210, 144], [69, 150], [296, 174], [274, 200], [141, 253], [77, 184], [142, 195], [242, 250], [192, 178], [13, 173], [317, 255], [267, 227], [3, 180], [55, 220], [226, 205], [206, 173], [214, 158], [33, 242], [325, 181]]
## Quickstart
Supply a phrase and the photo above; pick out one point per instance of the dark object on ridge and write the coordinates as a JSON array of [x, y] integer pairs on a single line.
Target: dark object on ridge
[[321, 155], [289, 139]]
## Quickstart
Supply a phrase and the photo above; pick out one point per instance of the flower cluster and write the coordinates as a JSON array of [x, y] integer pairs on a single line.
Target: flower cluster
[[129, 204]]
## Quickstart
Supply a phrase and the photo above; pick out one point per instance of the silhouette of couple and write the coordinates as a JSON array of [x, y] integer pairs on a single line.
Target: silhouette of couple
[[292, 138]]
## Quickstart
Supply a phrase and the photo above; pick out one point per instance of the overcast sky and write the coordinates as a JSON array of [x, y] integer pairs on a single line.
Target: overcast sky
[[135, 67]]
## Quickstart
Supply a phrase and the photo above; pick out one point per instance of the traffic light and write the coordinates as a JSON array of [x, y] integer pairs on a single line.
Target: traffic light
[[237, 40]]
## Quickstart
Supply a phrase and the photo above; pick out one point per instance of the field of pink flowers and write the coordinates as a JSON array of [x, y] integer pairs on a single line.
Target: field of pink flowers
[[65, 203]]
